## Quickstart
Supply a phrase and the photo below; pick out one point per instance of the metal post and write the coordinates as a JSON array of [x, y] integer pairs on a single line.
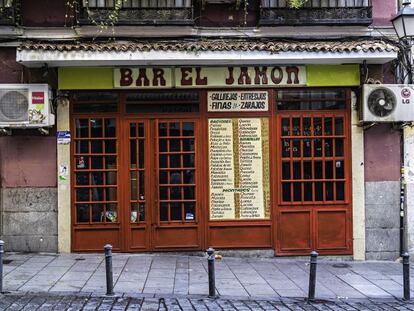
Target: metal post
[[1, 265], [406, 275], [312, 275], [211, 273], [108, 268]]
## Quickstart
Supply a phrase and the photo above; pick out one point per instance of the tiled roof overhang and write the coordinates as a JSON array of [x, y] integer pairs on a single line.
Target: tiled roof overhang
[[220, 45], [205, 51]]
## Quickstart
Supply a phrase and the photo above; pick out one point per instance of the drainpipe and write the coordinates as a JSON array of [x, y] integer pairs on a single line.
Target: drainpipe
[[403, 196]]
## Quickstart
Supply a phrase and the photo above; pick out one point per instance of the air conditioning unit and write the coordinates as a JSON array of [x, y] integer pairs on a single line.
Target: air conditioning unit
[[26, 106], [387, 103]]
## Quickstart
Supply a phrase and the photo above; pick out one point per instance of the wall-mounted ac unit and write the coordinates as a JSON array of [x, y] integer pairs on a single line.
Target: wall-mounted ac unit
[[387, 103], [26, 106]]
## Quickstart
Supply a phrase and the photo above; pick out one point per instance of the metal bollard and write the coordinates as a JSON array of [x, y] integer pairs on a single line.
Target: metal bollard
[[108, 269], [312, 275], [406, 275], [1, 265], [211, 273]]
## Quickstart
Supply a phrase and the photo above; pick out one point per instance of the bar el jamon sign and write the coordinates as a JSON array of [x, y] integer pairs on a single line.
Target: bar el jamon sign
[[207, 77]]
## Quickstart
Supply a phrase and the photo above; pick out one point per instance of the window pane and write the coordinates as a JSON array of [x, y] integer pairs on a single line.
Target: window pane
[[110, 146], [97, 178], [175, 145], [110, 128], [286, 192], [174, 129], [82, 128], [328, 126], [189, 193], [82, 194], [285, 127], [82, 146], [163, 211], [307, 191], [97, 212], [175, 177], [188, 129], [189, 211], [82, 179], [297, 170], [297, 191], [96, 128], [82, 213], [111, 213], [96, 146], [340, 191], [329, 191], [339, 147], [175, 210], [286, 170], [188, 144]]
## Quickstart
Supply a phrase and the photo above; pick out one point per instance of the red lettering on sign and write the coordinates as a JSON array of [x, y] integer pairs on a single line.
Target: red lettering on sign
[[244, 76], [230, 79], [278, 79], [142, 78], [260, 74], [158, 77], [126, 77], [199, 80], [186, 78], [292, 70]]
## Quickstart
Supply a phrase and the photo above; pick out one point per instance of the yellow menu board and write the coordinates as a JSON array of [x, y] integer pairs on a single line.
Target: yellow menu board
[[239, 168]]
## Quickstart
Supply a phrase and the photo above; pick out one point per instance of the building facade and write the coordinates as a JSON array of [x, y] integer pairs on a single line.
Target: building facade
[[187, 124]]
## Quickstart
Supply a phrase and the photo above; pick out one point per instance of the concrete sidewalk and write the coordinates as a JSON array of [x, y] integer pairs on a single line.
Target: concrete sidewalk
[[165, 274]]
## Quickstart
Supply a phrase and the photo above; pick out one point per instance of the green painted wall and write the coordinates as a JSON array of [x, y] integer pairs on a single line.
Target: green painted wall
[[88, 78], [333, 75], [85, 78]]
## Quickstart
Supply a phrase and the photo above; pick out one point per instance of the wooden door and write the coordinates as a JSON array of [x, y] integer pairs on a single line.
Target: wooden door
[[163, 185], [176, 210], [138, 191], [314, 191], [95, 189]]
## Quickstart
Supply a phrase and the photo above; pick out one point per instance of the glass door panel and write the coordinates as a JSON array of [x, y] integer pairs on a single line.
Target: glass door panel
[[176, 171]]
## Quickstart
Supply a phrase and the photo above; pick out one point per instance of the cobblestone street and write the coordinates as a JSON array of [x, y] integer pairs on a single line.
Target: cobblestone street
[[43, 302]]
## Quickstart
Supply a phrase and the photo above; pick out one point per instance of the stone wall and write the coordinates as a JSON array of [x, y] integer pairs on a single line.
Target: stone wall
[[28, 195], [382, 192]]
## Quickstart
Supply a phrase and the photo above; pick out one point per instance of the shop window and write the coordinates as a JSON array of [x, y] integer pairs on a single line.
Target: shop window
[[313, 163], [91, 102], [95, 169], [166, 102], [311, 100]]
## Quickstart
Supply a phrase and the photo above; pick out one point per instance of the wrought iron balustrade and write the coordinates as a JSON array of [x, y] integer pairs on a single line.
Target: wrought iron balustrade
[[137, 12], [8, 12], [316, 12]]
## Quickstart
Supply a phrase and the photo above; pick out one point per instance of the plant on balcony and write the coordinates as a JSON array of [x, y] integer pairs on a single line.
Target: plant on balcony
[[297, 4]]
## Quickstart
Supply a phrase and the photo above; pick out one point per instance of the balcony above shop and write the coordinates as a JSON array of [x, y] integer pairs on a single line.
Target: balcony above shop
[[8, 12], [316, 12], [137, 12]]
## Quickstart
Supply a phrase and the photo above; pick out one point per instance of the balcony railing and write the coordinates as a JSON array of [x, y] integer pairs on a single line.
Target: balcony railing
[[316, 12], [8, 12], [137, 12]]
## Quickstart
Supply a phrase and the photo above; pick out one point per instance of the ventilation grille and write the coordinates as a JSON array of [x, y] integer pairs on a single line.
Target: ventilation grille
[[14, 106]]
